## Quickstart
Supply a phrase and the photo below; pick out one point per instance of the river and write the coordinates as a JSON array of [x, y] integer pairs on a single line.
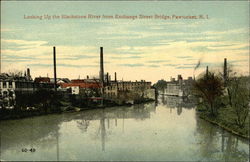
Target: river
[[165, 131]]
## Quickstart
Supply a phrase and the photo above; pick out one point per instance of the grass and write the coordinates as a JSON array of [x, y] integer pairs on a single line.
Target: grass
[[225, 119]]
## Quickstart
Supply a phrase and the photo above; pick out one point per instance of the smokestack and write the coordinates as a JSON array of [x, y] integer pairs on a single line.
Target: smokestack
[[225, 69], [87, 77], [101, 66], [115, 77], [179, 77], [54, 54], [207, 71], [28, 74], [107, 78]]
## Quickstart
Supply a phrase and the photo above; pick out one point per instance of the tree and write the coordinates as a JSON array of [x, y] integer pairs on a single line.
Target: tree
[[237, 89], [15, 73], [210, 88], [161, 84], [227, 81], [239, 98]]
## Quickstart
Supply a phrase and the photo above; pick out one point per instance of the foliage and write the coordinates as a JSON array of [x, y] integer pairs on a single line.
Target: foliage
[[238, 94], [15, 73], [161, 84], [209, 88]]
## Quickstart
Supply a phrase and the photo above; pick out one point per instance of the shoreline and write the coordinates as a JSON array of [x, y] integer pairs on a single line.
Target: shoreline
[[30, 114], [230, 130]]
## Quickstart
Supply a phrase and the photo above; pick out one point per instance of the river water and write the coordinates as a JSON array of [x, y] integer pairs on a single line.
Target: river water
[[165, 131]]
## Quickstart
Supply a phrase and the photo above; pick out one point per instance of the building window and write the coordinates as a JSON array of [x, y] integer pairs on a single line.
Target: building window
[[17, 84], [10, 85], [4, 85]]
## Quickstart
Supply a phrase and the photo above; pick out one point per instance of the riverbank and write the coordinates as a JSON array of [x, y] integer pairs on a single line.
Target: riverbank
[[225, 120], [9, 114]]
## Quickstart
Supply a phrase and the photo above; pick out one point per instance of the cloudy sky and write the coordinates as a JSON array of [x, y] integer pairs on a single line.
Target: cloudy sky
[[137, 49]]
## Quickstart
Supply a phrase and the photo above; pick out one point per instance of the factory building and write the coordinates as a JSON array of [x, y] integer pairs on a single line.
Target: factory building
[[179, 87], [10, 85], [114, 88]]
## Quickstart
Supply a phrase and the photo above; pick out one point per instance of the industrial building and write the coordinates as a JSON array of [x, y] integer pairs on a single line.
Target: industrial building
[[115, 89], [179, 87], [105, 87], [10, 85]]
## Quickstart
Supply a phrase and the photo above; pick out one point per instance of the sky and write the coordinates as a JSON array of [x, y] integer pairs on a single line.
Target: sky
[[148, 49]]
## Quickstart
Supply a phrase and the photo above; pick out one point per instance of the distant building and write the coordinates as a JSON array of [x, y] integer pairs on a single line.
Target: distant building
[[59, 80], [179, 87], [51, 80], [80, 87], [42, 80], [115, 88], [11, 85]]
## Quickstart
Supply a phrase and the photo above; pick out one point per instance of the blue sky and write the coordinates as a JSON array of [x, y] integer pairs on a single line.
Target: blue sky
[[135, 49]]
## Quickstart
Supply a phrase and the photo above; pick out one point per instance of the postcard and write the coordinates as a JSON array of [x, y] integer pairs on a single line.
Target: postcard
[[124, 81]]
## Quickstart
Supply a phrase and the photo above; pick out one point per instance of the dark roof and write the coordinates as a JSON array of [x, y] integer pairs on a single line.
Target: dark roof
[[8, 77], [42, 80]]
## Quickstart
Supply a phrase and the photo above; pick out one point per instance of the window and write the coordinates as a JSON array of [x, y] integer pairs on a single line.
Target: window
[[17, 85], [10, 85], [4, 85]]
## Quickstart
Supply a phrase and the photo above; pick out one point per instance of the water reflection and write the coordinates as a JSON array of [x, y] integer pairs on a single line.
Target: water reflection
[[141, 132], [28, 133], [173, 102], [217, 143]]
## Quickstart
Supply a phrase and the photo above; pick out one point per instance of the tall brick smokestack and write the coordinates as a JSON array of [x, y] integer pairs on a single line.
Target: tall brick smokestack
[[101, 66], [225, 70], [54, 56], [28, 74], [115, 77]]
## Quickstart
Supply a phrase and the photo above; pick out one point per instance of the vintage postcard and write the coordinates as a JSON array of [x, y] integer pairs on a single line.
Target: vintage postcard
[[124, 81]]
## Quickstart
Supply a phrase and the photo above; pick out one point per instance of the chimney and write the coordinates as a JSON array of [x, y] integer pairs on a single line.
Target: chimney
[[115, 77], [180, 80], [107, 78], [54, 54], [207, 71], [87, 77], [225, 69], [179, 77], [28, 74], [101, 66]]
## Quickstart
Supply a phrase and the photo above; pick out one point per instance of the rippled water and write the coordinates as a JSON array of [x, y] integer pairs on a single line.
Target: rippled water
[[165, 131]]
